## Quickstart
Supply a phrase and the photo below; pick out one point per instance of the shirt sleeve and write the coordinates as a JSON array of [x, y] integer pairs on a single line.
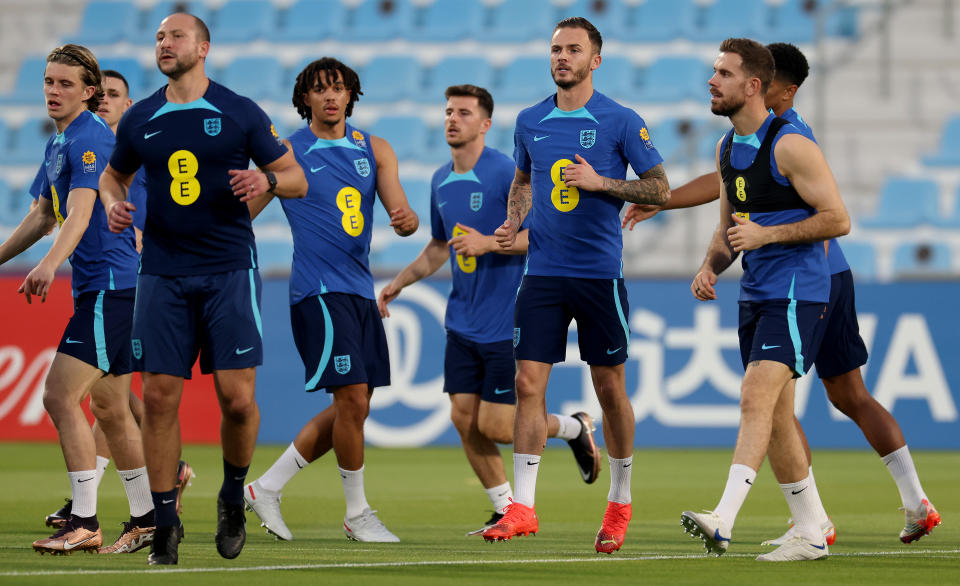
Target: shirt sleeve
[[125, 158], [263, 142], [137, 195], [88, 156], [520, 155], [637, 146], [437, 229]]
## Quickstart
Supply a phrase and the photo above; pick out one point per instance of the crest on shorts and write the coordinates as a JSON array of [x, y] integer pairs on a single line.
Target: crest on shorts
[[516, 337], [137, 348], [211, 126], [59, 166], [476, 201], [588, 138], [342, 363], [362, 166]]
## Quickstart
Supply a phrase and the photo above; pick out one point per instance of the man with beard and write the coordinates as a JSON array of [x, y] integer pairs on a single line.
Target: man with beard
[[781, 202], [198, 291], [571, 154], [336, 325], [468, 201]]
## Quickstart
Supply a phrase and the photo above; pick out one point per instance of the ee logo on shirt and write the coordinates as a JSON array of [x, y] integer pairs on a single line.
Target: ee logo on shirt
[[183, 166], [741, 184], [564, 198], [348, 201], [467, 264]]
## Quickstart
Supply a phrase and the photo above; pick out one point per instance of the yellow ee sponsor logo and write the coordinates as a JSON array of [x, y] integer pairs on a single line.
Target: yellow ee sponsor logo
[[348, 201], [564, 198], [183, 167], [741, 184], [467, 264]]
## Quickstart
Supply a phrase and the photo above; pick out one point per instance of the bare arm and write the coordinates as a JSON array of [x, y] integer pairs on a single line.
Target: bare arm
[[473, 243], [519, 202], [38, 221], [113, 195], [430, 259], [701, 190], [720, 254], [248, 184], [402, 217]]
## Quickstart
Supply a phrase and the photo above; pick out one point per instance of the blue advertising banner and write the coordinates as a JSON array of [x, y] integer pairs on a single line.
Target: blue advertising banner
[[683, 373]]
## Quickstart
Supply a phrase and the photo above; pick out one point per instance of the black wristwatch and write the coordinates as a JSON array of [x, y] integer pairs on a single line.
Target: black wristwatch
[[271, 179]]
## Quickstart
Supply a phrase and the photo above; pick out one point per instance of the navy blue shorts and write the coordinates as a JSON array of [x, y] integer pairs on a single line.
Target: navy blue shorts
[[214, 316], [341, 341], [780, 330], [485, 369], [545, 306], [841, 349], [98, 333]]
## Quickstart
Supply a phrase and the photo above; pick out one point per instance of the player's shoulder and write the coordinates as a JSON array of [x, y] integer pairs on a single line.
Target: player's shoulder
[[441, 173], [147, 107], [88, 130], [497, 161], [536, 112], [604, 106]]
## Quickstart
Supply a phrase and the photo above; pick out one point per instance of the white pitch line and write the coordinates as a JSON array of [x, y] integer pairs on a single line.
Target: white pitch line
[[349, 565]]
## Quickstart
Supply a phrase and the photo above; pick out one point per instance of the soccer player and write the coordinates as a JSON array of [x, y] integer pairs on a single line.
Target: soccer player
[[468, 201], [842, 351], [780, 202], [333, 311], [94, 354], [571, 154], [199, 289]]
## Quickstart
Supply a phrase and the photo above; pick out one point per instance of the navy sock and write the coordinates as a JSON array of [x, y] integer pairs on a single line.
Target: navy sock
[[233, 478], [88, 523], [165, 507], [146, 520]]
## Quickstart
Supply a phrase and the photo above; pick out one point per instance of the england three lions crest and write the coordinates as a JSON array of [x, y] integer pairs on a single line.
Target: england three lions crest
[[212, 126], [362, 166], [342, 363], [476, 201], [588, 138]]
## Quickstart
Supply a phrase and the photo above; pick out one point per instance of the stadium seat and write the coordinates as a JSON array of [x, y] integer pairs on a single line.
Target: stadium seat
[[677, 139], [436, 151], [406, 134], [953, 219], [6, 206], [311, 20], [455, 71], [526, 80], [131, 69], [28, 88], [391, 79], [444, 20], [30, 140], [274, 256], [862, 258], [398, 253], [257, 78], [905, 203], [242, 21], [921, 259], [949, 153], [418, 195], [791, 23], [608, 16], [723, 19], [106, 22], [163, 9], [617, 78], [659, 21], [520, 20], [674, 79], [380, 20], [500, 137]]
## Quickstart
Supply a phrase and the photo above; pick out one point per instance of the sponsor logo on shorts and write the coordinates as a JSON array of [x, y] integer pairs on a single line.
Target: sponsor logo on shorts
[[342, 363]]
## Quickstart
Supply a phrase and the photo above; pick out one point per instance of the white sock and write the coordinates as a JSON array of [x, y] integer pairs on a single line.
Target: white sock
[[137, 485], [821, 512], [353, 491], [901, 467], [570, 427], [739, 482], [802, 498], [525, 468], [620, 472], [285, 468], [84, 491], [500, 496], [102, 464]]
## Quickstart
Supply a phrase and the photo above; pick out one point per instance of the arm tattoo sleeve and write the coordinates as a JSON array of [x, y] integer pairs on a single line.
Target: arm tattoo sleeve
[[651, 188], [519, 202]]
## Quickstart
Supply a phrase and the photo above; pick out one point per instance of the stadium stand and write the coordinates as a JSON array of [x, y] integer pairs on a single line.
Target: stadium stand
[[29, 141], [258, 78], [949, 153], [862, 258], [905, 202], [519, 20], [108, 22], [380, 20], [29, 82], [451, 21], [455, 70], [660, 21], [243, 21], [674, 79], [732, 18], [607, 15], [406, 134], [921, 259], [526, 80], [391, 79], [310, 20]]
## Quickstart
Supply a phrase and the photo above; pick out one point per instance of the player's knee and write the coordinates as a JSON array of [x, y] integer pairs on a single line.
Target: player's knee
[[462, 420], [240, 407], [526, 386], [55, 402], [105, 411], [352, 405]]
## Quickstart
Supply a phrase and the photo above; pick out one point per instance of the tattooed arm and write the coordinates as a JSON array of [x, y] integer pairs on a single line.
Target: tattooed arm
[[519, 203], [651, 188]]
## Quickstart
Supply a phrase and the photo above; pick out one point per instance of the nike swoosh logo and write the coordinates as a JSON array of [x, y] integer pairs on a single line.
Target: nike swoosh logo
[[299, 467], [86, 479], [69, 341], [821, 547], [68, 546], [748, 482], [532, 463], [765, 347], [244, 351], [501, 391], [315, 169], [166, 501], [46, 163], [442, 203], [134, 478], [798, 491], [628, 465], [539, 138], [615, 350], [147, 135], [716, 536]]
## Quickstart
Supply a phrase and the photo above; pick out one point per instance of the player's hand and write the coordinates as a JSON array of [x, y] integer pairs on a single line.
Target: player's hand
[[38, 281], [582, 175], [506, 235], [745, 235], [119, 218], [404, 221], [387, 294], [248, 183], [637, 213], [702, 286], [473, 243]]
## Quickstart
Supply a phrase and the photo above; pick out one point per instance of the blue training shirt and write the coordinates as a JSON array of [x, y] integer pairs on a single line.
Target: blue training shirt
[[482, 286], [835, 258], [74, 159], [576, 233], [137, 195], [196, 225], [332, 226]]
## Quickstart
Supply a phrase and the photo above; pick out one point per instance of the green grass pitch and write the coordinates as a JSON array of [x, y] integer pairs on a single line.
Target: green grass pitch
[[430, 499]]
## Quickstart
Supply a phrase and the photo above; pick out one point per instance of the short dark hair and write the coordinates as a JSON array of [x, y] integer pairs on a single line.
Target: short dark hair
[[80, 56], [311, 73], [792, 66], [116, 75], [580, 22], [757, 59], [484, 99]]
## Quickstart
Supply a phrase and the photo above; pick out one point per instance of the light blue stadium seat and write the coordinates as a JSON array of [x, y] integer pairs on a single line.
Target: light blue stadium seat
[[526, 80], [6, 205], [243, 21], [616, 77], [20, 201], [676, 139], [608, 16], [396, 254], [418, 195], [391, 79], [953, 219], [437, 151], [921, 259], [500, 137], [791, 23], [257, 78], [274, 256], [380, 20], [163, 9], [311, 20], [30, 140], [451, 20], [106, 22], [904, 203], [949, 153], [520, 20], [456, 70], [723, 19], [131, 69], [656, 21], [406, 134], [28, 88], [862, 258], [674, 79]]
